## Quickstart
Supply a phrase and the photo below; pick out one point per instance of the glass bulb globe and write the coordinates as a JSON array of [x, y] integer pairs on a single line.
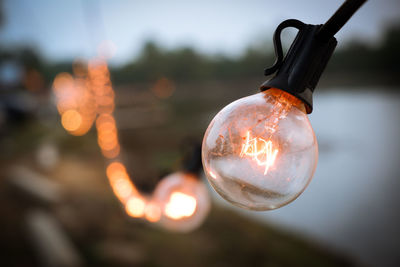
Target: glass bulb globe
[[183, 200], [260, 152]]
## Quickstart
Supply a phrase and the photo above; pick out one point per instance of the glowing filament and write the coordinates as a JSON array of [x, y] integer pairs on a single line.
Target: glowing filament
[[180, 205], [212, 175], [260, 151]]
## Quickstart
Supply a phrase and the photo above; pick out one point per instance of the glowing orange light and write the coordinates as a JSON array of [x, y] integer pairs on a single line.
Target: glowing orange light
[[112, 153], [104, 119], [107, 140], [115, 169], [62, 80], [180, 205], [71, 120], [152, 212], [135, 207], [120, 182], [123, 188], [260, 150], [89, 94]]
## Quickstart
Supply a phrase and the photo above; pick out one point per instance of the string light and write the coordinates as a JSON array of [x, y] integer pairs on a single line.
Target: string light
[[259, 152], [180, 205], [183, 200], [87, 98], [135, 207]]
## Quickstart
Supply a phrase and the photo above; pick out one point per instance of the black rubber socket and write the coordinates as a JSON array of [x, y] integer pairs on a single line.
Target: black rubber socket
[[299, 71]]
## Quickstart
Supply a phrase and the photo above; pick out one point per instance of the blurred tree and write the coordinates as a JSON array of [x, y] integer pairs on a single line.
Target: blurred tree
[[389, 51], [30, 58], [185, 63]]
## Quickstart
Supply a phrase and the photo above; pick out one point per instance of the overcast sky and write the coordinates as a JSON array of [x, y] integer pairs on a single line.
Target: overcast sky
[[72, 28]]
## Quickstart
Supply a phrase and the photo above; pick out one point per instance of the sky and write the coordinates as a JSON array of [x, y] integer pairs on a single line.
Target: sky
[[62, 30]]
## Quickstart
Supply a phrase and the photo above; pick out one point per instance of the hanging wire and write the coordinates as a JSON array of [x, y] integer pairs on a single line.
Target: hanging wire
[[337, 21]]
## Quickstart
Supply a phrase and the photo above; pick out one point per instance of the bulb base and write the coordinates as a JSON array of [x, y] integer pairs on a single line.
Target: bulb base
[[299, 71]]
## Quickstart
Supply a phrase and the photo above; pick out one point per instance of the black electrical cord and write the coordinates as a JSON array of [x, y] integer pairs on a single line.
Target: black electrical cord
[[299, 71], [191, 162], [341, 16]]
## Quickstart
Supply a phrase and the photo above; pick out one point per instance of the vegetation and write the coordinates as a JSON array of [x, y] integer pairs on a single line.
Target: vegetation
[[186, 64]]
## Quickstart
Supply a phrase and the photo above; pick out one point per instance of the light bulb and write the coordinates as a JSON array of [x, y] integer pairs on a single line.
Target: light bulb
[[183, 200], [152, 212], [260, 151], [135, 206]]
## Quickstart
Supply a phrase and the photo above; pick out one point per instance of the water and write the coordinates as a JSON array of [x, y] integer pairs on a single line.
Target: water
[[352, 203]]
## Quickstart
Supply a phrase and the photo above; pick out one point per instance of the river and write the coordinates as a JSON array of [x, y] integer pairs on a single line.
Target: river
[[352, 203]]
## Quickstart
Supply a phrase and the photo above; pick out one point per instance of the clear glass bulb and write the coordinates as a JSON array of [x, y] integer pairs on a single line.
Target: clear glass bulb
[[184, 201], [260, 152]]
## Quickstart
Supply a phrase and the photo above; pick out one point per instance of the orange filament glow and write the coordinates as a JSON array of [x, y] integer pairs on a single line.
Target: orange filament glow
[[259, 150], [180, 205], [135, 207]]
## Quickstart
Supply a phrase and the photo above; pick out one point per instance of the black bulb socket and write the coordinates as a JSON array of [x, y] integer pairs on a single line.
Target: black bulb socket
[[299, 71]]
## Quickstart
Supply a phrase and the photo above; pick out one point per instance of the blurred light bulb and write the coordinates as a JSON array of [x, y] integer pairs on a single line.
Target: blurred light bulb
[[135, 206], [121, 184], [260, 151], [180, 205], [152, 212], [183, 200]]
